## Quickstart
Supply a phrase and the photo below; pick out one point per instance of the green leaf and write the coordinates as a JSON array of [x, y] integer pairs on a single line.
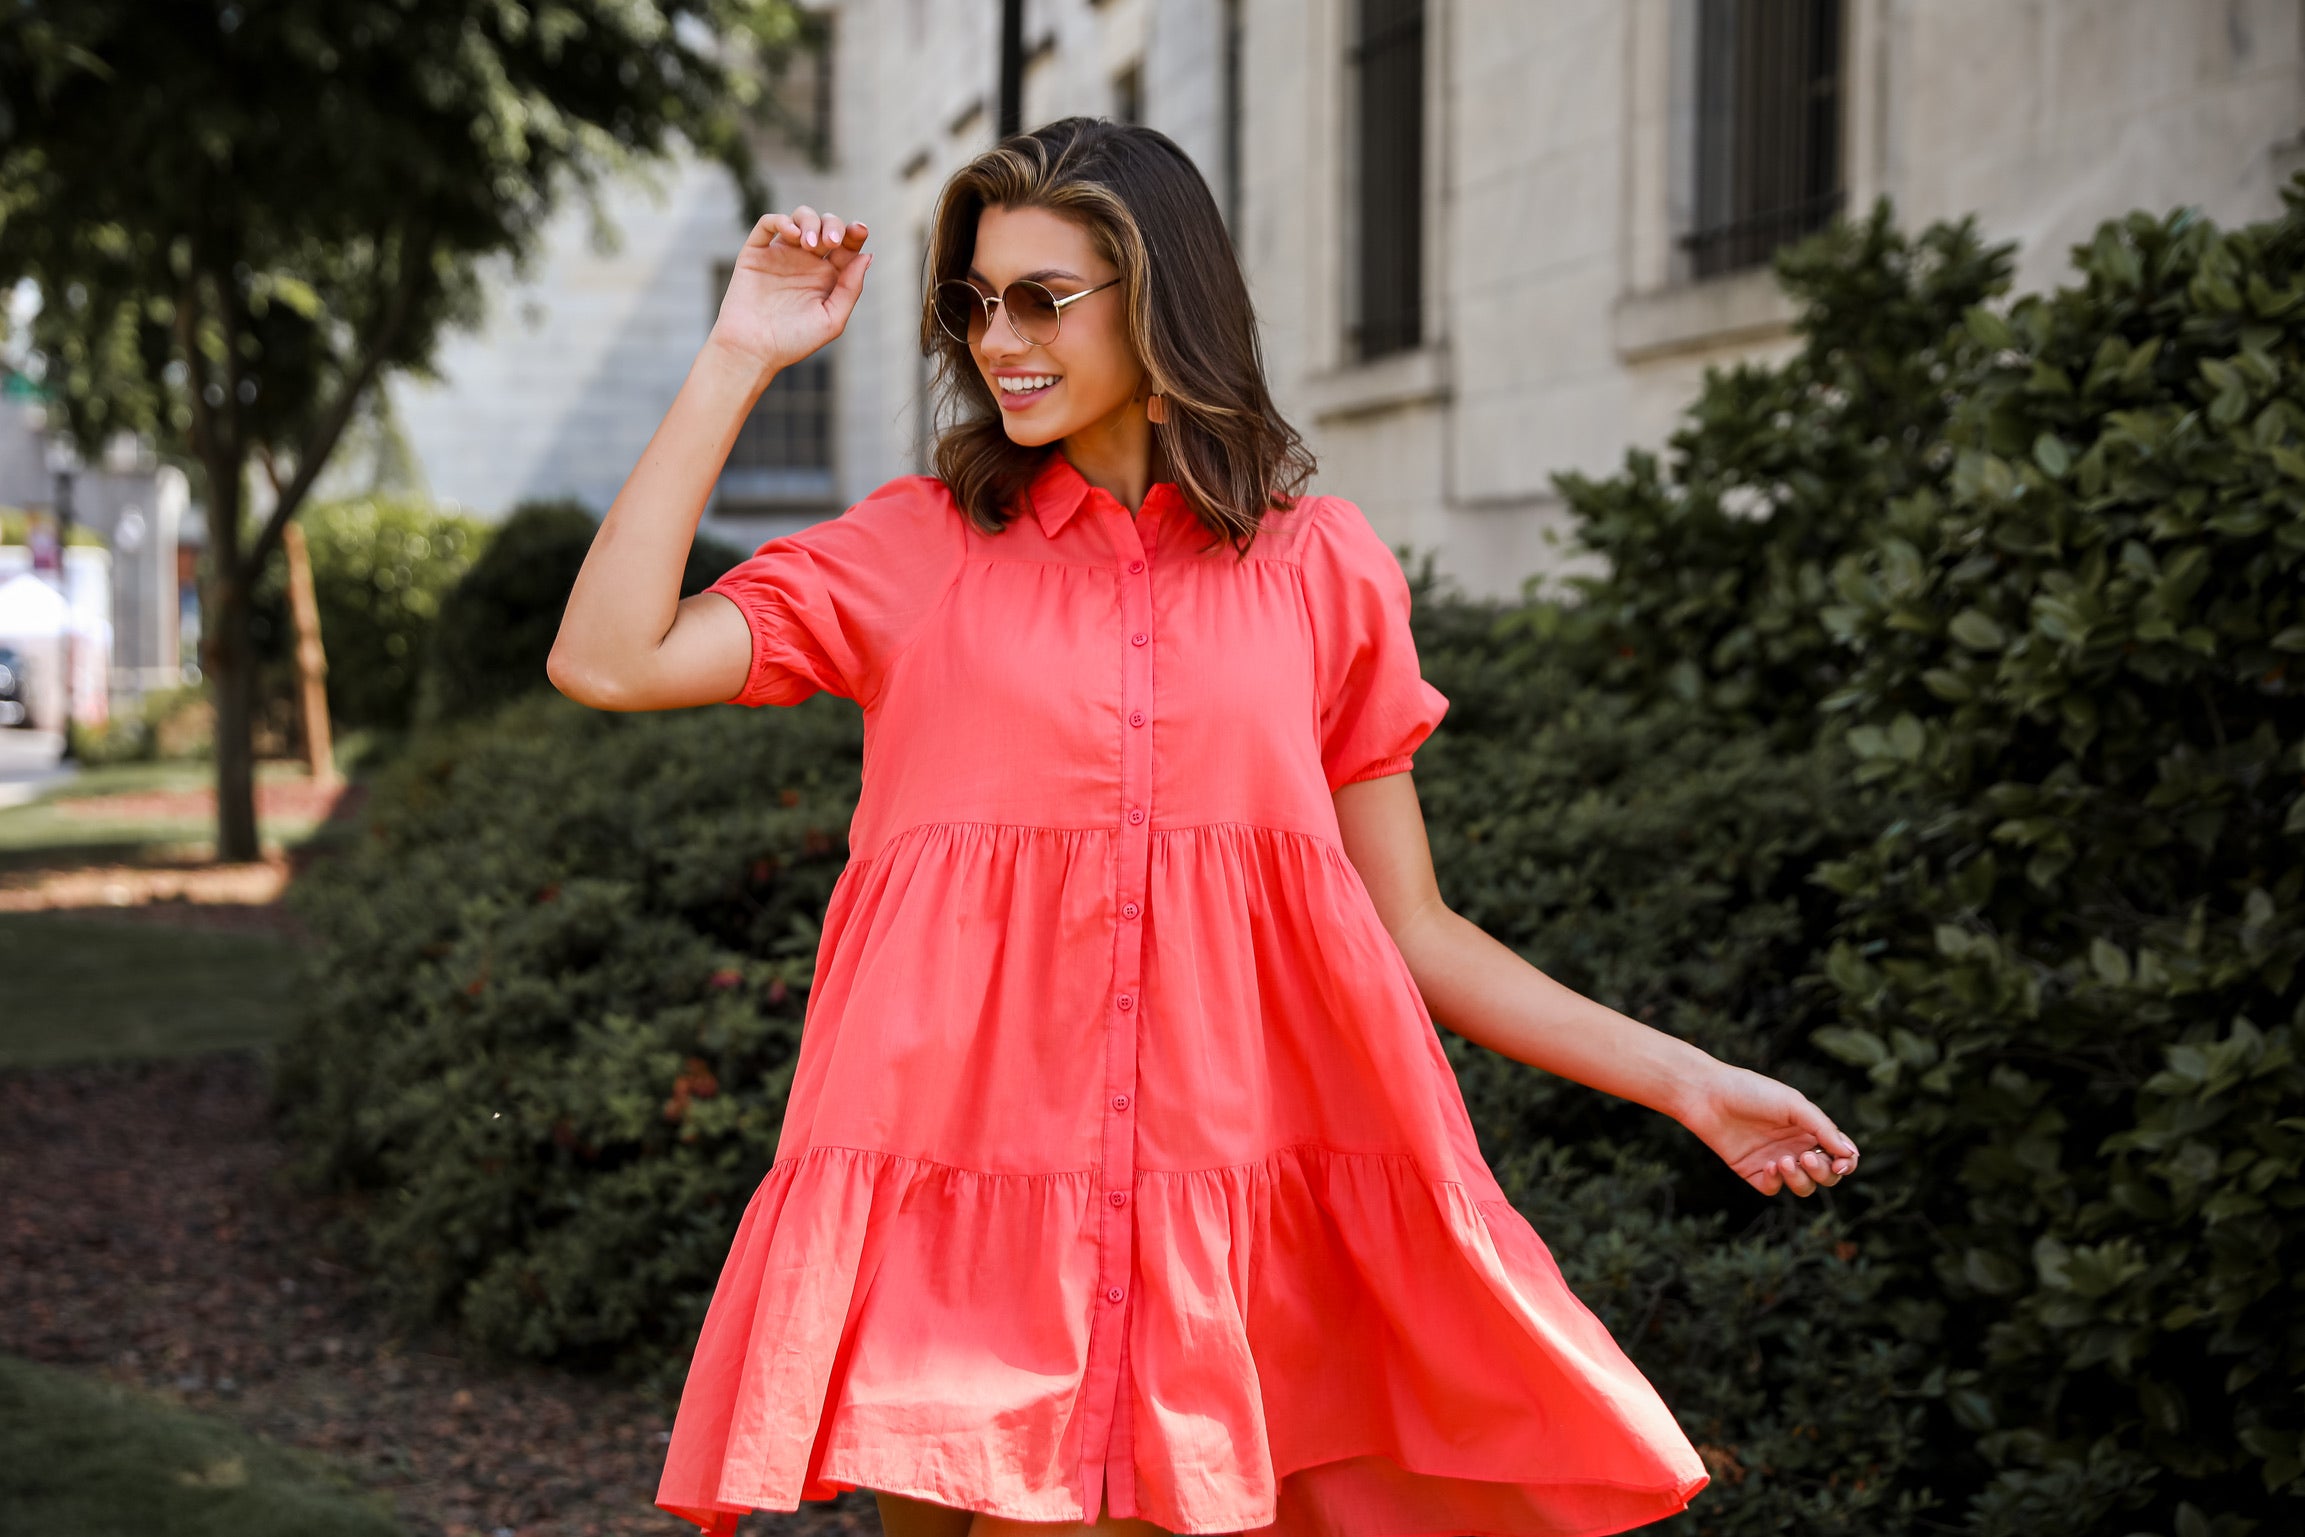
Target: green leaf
[[1858, 1048], [1977, 630]]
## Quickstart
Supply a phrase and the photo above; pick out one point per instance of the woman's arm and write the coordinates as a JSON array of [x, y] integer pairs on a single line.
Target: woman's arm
[[1478, 987], [628, 640]]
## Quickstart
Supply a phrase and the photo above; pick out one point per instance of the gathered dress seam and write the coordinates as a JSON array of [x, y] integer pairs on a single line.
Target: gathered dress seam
[[1318, 840], [1383, 1154]]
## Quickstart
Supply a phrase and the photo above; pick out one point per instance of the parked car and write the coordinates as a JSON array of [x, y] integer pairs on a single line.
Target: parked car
[[12, 708]]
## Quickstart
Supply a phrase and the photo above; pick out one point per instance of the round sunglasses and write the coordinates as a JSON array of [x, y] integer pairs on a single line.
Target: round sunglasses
[[1034, 313]]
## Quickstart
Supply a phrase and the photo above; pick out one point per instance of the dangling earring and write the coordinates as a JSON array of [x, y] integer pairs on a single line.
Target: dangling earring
[[1156, 408]]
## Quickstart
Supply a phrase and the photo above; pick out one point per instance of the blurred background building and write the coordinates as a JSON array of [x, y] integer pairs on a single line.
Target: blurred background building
[[1489, 240], [96, 566]]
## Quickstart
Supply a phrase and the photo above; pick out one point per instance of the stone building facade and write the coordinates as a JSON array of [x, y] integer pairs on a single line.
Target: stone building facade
[[1489, 240]]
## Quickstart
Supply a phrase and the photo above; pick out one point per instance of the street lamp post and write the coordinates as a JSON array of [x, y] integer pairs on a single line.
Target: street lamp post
[[63, 461]]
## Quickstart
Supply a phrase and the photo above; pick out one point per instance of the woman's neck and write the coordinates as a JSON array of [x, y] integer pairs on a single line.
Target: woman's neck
[[1115, 455]]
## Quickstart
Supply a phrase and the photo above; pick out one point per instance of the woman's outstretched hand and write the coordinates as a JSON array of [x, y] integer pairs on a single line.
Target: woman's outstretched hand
[[794, 286], [1770, 1133]]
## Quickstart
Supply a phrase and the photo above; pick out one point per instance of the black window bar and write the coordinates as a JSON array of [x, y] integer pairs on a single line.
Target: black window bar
[[1387, 58], [790, 426], [1768, 145]]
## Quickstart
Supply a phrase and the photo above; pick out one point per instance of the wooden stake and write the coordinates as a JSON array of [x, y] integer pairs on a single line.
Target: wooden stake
[[311, 661]]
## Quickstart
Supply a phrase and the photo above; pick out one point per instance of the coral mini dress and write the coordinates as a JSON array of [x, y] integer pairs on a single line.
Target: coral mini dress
[[1122, 1166]]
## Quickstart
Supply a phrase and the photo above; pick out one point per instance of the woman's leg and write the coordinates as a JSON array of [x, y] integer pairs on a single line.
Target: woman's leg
[[1107, 1525], [902, 1515]]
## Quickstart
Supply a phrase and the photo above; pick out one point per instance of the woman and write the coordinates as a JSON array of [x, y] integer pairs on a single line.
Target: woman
[[1123, 1181]]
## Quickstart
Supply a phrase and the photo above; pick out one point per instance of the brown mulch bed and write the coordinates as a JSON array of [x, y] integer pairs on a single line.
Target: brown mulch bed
[[183, 892], [234, 898], [148, 1235], [301, 800]]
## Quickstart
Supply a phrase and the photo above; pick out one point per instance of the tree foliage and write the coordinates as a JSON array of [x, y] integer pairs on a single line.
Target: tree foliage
[[240, 214]]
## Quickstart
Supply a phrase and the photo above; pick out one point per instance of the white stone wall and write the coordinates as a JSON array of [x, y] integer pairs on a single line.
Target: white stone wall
[[1558, 334]]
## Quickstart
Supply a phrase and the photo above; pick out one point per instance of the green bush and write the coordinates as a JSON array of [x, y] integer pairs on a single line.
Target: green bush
[[552, 1017], [380, 568], [166, 724], [497, 626], [2071, 976]]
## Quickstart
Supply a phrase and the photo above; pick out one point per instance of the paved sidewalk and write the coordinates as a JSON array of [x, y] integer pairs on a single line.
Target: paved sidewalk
[[28, 764]]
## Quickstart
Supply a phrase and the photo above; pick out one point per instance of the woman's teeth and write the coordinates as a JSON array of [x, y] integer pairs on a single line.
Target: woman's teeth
[[1019, 386]]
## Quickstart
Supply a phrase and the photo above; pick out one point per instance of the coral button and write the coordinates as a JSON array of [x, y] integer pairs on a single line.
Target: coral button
[[1139, 638], [1136, 717], [1120, 1101], [1128, 909], [1136, 813], [1126, 1002], [1135, 566], [1120, 1197], [1113, 1294]]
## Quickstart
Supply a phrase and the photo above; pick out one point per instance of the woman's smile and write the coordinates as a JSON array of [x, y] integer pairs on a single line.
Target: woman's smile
[[1019, 389]]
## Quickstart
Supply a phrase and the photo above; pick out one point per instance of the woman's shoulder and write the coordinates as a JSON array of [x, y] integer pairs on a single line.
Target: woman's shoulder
[[1326, 533], [917, 512]]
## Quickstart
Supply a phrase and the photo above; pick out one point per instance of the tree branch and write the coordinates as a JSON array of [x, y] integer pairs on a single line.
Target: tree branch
[[369, 356]]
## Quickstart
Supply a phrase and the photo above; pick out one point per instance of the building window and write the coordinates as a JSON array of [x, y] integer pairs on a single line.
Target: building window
[[1128, 95], [1232, 117], [1767, 156], [797, 103], [1386, 67], [923, 380], [783, 454]]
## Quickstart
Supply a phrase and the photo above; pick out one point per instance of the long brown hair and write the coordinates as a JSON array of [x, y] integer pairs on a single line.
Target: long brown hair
[[1145, 204]]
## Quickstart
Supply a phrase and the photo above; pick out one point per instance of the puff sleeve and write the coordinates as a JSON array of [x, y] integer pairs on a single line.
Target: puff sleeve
[[831, 605], [1376, 708]]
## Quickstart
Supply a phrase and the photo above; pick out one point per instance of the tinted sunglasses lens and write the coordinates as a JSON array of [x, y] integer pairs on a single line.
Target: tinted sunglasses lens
[[1032, 310], [959, 309]]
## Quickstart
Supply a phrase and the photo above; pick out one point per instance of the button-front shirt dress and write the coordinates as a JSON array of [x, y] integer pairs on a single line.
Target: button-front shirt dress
[[1122, 1165]]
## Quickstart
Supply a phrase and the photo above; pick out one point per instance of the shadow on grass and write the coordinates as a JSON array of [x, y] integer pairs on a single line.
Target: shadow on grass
[[95, 989], [92, 1458]]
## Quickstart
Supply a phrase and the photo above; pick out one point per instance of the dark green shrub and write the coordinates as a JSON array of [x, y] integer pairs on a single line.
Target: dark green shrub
[[2072, 974], [497, 625], [553, 1008]]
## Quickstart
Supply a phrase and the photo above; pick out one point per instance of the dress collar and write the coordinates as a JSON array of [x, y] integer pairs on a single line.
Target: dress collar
[[1058, 491]]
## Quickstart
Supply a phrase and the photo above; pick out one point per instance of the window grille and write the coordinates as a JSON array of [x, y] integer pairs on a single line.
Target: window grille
[[1387, 66], [1128, 95], [783, 453], [1768, 128], [1232, 116]]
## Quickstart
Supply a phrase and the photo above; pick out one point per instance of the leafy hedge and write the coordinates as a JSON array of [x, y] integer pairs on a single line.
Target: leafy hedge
[[497, 626], [556, 1007], [1931, 743]]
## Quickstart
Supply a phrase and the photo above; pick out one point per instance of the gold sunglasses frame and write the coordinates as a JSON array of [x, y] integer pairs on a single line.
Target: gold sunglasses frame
[[989, 300]]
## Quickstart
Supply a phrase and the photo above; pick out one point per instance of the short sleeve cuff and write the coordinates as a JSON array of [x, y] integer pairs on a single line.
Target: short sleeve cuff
[[780, 673], [1397, 764]]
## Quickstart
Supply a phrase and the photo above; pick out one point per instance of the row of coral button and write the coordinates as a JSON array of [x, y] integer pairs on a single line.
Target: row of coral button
[[1128, 910]]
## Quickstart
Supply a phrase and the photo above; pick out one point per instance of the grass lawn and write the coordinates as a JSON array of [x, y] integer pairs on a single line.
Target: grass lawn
[[90, 1458], [46, 833], [88, 989]]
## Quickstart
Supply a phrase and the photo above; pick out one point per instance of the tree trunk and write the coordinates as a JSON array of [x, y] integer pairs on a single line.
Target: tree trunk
[[311, 658], [231, 663]]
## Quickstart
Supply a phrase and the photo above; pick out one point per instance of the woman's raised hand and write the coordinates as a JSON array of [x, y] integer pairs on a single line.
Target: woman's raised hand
[[1770, 1133], [795, 283]]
